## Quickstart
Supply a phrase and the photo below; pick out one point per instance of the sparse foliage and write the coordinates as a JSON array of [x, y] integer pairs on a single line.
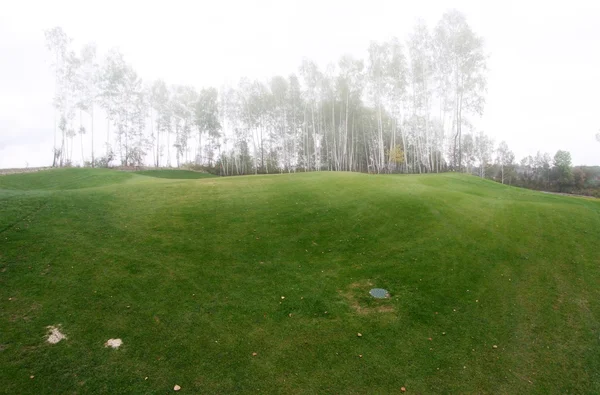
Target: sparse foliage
[[562, 165]]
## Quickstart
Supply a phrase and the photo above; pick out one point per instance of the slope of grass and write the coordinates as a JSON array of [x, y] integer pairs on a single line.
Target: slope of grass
[[175, 174], [197, 275], [63, 179]]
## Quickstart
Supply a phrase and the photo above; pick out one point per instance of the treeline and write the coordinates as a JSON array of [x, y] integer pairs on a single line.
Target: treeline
[[402, 109], [542, 171], [405, 108]]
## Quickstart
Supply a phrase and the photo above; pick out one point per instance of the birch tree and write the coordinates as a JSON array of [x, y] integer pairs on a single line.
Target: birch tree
[[350, 86], [295, 121], [110, 84], [421, 73], [206, 117], [311, 77], [67, 87], [72, 86], [123, 99], [183, 105], [483, 149], [396, 75], [57, 42], [129, 120], [377, 81], [462, 63], [504, 158], [88, 90], [280, 91], [160, 115]]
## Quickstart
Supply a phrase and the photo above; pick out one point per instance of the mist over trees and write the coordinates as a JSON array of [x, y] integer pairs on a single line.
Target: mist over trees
[[405, 108]]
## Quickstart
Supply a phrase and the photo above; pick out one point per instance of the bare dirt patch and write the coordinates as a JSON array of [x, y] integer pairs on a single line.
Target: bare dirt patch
[[113, 343], [54, 334], [358, 298]]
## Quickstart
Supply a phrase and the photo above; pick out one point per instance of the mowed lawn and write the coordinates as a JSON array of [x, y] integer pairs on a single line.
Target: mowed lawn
[[177, 174], [197, 275]]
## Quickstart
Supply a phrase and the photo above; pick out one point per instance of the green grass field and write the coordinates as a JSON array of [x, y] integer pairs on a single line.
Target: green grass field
[[196, 275], [177, 174]]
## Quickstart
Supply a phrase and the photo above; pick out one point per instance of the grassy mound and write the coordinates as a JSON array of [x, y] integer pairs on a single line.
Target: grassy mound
[[63, 179], [174, 174], [260, 284]]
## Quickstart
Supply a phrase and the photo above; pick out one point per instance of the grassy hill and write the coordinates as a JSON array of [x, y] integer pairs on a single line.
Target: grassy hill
[[176, 174], [63, 179], [196, 275]]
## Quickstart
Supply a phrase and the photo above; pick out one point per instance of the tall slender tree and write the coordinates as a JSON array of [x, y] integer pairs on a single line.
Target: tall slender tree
[[88, 93], [58, 42], [421, 74], [562, 165], [111, 82], [483, 149], [504, 157], [462, 65], [206, 118], [160, 114]]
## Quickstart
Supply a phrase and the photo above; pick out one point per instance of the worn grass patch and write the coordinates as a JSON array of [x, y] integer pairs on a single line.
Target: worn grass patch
[[358, 299]]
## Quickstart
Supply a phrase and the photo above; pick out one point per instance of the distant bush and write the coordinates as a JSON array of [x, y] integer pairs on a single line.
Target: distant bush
[[201, 168], [104, 161]]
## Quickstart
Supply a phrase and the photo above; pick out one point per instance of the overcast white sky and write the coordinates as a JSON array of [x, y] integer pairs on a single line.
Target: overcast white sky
[[544, 78]]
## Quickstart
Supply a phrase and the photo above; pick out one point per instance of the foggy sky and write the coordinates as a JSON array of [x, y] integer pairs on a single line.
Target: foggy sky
[[544, 65]]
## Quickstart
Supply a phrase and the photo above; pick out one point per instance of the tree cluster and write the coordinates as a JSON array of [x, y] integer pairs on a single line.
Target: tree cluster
[[405, 108], [542, 171], [402, 109]]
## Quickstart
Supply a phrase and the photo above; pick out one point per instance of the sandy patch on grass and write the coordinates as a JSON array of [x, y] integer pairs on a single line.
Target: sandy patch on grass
[[54, 335], [114, 343]]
